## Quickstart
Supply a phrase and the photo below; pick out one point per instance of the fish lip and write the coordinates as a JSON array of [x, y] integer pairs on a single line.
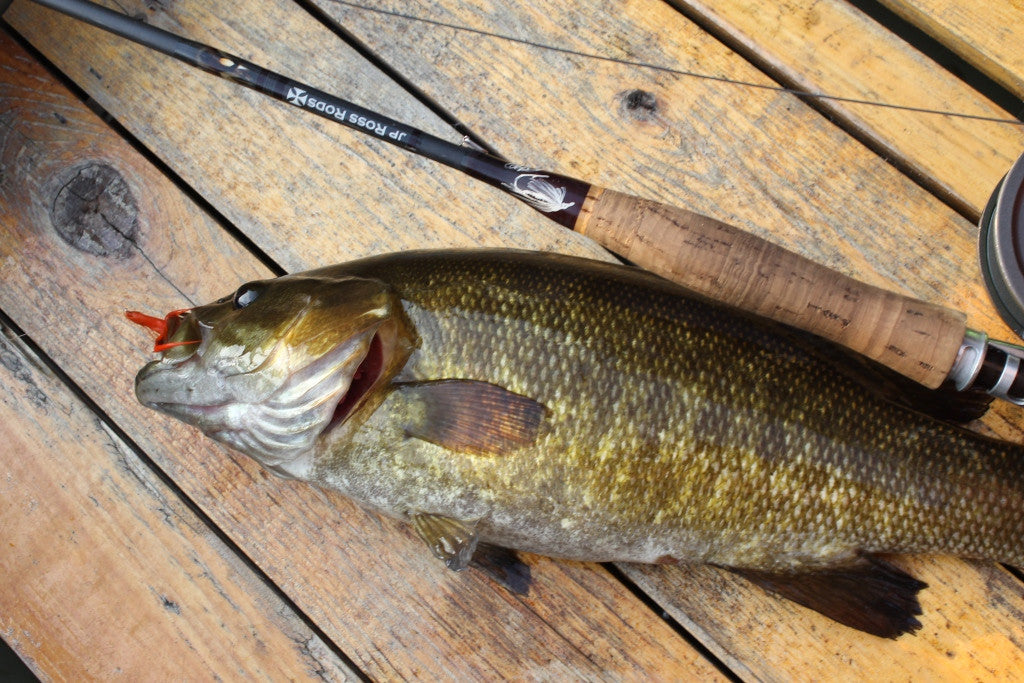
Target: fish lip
[[144, 389]]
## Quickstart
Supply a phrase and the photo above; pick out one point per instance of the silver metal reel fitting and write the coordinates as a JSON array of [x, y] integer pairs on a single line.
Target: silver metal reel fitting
[[994, 367]]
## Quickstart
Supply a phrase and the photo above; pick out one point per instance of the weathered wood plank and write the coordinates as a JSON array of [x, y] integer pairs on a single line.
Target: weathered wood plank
[[986, 34], [368, 583], [309, 192], [831, 47], [972, 626], [762, 160], [105, 572]]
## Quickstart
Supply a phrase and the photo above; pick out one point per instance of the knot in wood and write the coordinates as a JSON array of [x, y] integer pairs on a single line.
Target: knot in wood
[[640, 105], [94, 211]]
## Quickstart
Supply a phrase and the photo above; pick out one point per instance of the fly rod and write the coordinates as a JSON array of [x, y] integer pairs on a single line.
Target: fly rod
[[923, 341]]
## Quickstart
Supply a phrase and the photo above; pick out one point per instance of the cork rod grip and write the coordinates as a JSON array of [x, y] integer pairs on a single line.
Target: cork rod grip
[[915, 338]]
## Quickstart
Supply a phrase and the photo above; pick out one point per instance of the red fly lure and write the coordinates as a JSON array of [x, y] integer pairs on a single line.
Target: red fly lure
[[164, 327]]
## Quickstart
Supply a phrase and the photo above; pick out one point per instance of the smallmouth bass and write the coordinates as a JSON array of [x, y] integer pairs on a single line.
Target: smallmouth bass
[[591, 411]]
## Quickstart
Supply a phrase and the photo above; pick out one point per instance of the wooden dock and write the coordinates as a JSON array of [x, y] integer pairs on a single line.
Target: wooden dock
[[131, 546]]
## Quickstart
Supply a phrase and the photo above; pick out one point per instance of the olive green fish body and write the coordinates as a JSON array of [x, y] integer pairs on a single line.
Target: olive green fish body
[[591, 411], [674, 429]]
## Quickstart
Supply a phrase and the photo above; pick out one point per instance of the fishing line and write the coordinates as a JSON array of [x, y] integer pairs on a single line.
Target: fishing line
[[675, 71]]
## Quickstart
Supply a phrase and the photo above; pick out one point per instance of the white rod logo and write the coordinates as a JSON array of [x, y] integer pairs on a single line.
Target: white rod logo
[[301, 98], [297, 96]]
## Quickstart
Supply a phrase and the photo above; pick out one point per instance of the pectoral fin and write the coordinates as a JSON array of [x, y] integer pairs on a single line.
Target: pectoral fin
[[449, 539], [472, 417], [871, 595]]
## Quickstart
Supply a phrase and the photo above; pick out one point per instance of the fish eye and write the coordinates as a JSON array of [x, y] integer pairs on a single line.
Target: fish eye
[[246, 294]]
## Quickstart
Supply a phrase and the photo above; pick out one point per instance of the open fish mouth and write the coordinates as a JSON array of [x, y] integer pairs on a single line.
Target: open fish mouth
[[365, 378], [280, 426]]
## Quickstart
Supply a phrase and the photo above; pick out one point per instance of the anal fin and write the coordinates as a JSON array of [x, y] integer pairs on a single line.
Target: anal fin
[[871, 595]]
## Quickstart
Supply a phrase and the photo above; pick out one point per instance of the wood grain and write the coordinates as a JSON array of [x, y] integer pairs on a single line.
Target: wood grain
[[308, 191], [985, 34], [761, 160], [833, 48], [105, 572], [776, 639], [368, 583]]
